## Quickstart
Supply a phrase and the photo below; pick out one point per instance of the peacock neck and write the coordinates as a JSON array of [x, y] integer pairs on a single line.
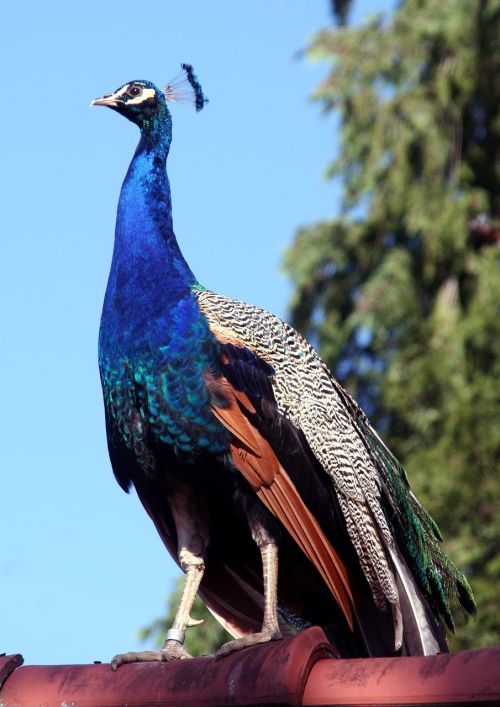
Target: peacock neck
[[149, 276], [144, 227]]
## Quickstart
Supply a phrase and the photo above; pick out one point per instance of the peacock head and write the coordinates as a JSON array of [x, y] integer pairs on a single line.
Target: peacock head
[[145, 104], [139, 101]]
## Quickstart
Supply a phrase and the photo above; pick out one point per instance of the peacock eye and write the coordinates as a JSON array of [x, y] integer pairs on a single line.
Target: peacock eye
[[134, 91]]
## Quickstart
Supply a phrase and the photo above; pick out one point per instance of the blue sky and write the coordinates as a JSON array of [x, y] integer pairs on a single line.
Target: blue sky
[[81, 567]]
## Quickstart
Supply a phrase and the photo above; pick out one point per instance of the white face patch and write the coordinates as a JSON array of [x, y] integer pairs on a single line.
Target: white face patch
[[146, 94]]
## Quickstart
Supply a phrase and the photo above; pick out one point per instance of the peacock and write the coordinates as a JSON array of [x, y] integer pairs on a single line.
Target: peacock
[[244, 449]]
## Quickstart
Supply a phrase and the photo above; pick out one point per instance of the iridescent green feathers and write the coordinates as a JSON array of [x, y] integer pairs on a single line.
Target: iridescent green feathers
[[159, 399]]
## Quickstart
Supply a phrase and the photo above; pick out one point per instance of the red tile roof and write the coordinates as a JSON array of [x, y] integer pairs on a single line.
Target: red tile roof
[[293, 671]]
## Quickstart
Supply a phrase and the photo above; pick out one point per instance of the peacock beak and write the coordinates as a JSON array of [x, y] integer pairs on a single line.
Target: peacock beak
[[109, 99]]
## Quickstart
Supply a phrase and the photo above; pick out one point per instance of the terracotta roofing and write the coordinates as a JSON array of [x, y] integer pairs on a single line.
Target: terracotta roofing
[[294, 671]]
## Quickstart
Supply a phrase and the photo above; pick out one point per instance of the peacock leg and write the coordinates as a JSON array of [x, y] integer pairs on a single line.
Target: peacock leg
[[270, 627], [192, 536], [173, 648], [194, 567]]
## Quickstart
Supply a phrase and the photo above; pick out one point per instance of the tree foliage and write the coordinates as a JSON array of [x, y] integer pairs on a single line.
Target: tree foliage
[[402, 292]]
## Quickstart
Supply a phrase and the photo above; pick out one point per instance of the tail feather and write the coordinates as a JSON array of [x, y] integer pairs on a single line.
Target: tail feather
[[417, 536], [420, 632]]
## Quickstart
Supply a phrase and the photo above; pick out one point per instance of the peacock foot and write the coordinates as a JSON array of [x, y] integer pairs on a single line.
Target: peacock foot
[[246, 641], [171, 650]]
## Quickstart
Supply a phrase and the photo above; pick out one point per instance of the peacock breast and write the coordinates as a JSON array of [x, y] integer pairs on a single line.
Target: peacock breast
[[154, 389]]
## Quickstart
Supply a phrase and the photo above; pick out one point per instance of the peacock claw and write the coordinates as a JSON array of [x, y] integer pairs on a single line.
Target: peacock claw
[[171, 650], [132, 657], [194, 622], [252, 639]]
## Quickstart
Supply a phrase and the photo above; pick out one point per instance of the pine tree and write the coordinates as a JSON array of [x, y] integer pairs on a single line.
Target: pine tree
[[401, 292]]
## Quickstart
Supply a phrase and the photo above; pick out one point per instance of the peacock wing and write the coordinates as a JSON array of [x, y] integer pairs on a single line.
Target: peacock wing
[[304, 394], [388, 528], [257, 461]]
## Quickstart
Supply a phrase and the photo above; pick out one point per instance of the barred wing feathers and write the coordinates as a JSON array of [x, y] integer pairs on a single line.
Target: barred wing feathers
[[396, 541]]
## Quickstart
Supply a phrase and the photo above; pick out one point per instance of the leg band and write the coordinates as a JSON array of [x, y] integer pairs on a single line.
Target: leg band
[[175, 634]]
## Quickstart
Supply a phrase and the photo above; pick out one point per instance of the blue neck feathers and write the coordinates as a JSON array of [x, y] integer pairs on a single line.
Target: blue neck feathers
[[149, 278]]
